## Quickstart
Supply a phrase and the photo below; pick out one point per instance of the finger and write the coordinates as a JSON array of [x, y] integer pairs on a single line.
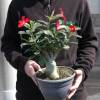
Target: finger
[[32, 74], [29, 70], [77, 81], [71, 93], [76, 84], [35, 65]]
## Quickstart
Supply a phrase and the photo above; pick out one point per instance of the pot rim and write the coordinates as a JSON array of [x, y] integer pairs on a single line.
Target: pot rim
[[58, 80]]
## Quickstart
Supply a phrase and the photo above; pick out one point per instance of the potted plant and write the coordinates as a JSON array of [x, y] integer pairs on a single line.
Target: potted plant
[[43, 40]]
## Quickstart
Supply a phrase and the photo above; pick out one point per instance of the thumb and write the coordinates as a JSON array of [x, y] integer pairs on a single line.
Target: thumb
[[30, 70]]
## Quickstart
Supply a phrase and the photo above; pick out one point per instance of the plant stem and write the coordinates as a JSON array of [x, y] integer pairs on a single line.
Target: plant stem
[[51, 67], [52, 70]]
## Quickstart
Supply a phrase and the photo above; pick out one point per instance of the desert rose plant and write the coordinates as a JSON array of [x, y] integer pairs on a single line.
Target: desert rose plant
[[44, 39]]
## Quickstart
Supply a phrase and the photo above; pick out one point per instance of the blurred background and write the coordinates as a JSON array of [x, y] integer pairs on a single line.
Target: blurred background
[[8, 74]]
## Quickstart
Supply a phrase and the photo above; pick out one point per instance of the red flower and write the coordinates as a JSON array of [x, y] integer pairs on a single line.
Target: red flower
[[62, 15], [22, 22], [27, 20], [72, 28], [57, 25]]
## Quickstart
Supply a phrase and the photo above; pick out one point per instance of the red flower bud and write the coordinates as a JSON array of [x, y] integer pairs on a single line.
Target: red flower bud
[[72, 28]]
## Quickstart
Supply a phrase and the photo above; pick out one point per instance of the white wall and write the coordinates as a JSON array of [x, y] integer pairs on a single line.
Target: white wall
[[7, 72], [94, 6]]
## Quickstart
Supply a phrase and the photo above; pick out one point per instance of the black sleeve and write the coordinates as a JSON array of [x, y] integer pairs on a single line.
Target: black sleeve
[[88, 44], [10, 41]]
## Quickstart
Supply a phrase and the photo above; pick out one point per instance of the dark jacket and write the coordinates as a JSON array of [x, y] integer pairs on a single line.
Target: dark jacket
[[81, 55]]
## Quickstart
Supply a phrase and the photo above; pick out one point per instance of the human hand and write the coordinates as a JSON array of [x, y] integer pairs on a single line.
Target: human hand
[[77, 82], [31, 67]]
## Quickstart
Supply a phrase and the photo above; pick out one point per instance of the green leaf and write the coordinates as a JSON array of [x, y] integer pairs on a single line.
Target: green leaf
[[39, 33], [24, 44], [78, 28], [52, 14], [36, 26], [74, 34], [27, 25], [54, 18], [21, 32], [64, 27], [70, 23], [37, 52], [32, 23], [48, 32], [28, 32], [66, 47]]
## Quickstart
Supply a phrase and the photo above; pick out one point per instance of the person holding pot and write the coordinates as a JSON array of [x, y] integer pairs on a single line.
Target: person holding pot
[[81, 56]]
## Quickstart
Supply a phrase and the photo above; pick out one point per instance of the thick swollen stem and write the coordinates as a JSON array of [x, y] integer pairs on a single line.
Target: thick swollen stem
[[51, 69]]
